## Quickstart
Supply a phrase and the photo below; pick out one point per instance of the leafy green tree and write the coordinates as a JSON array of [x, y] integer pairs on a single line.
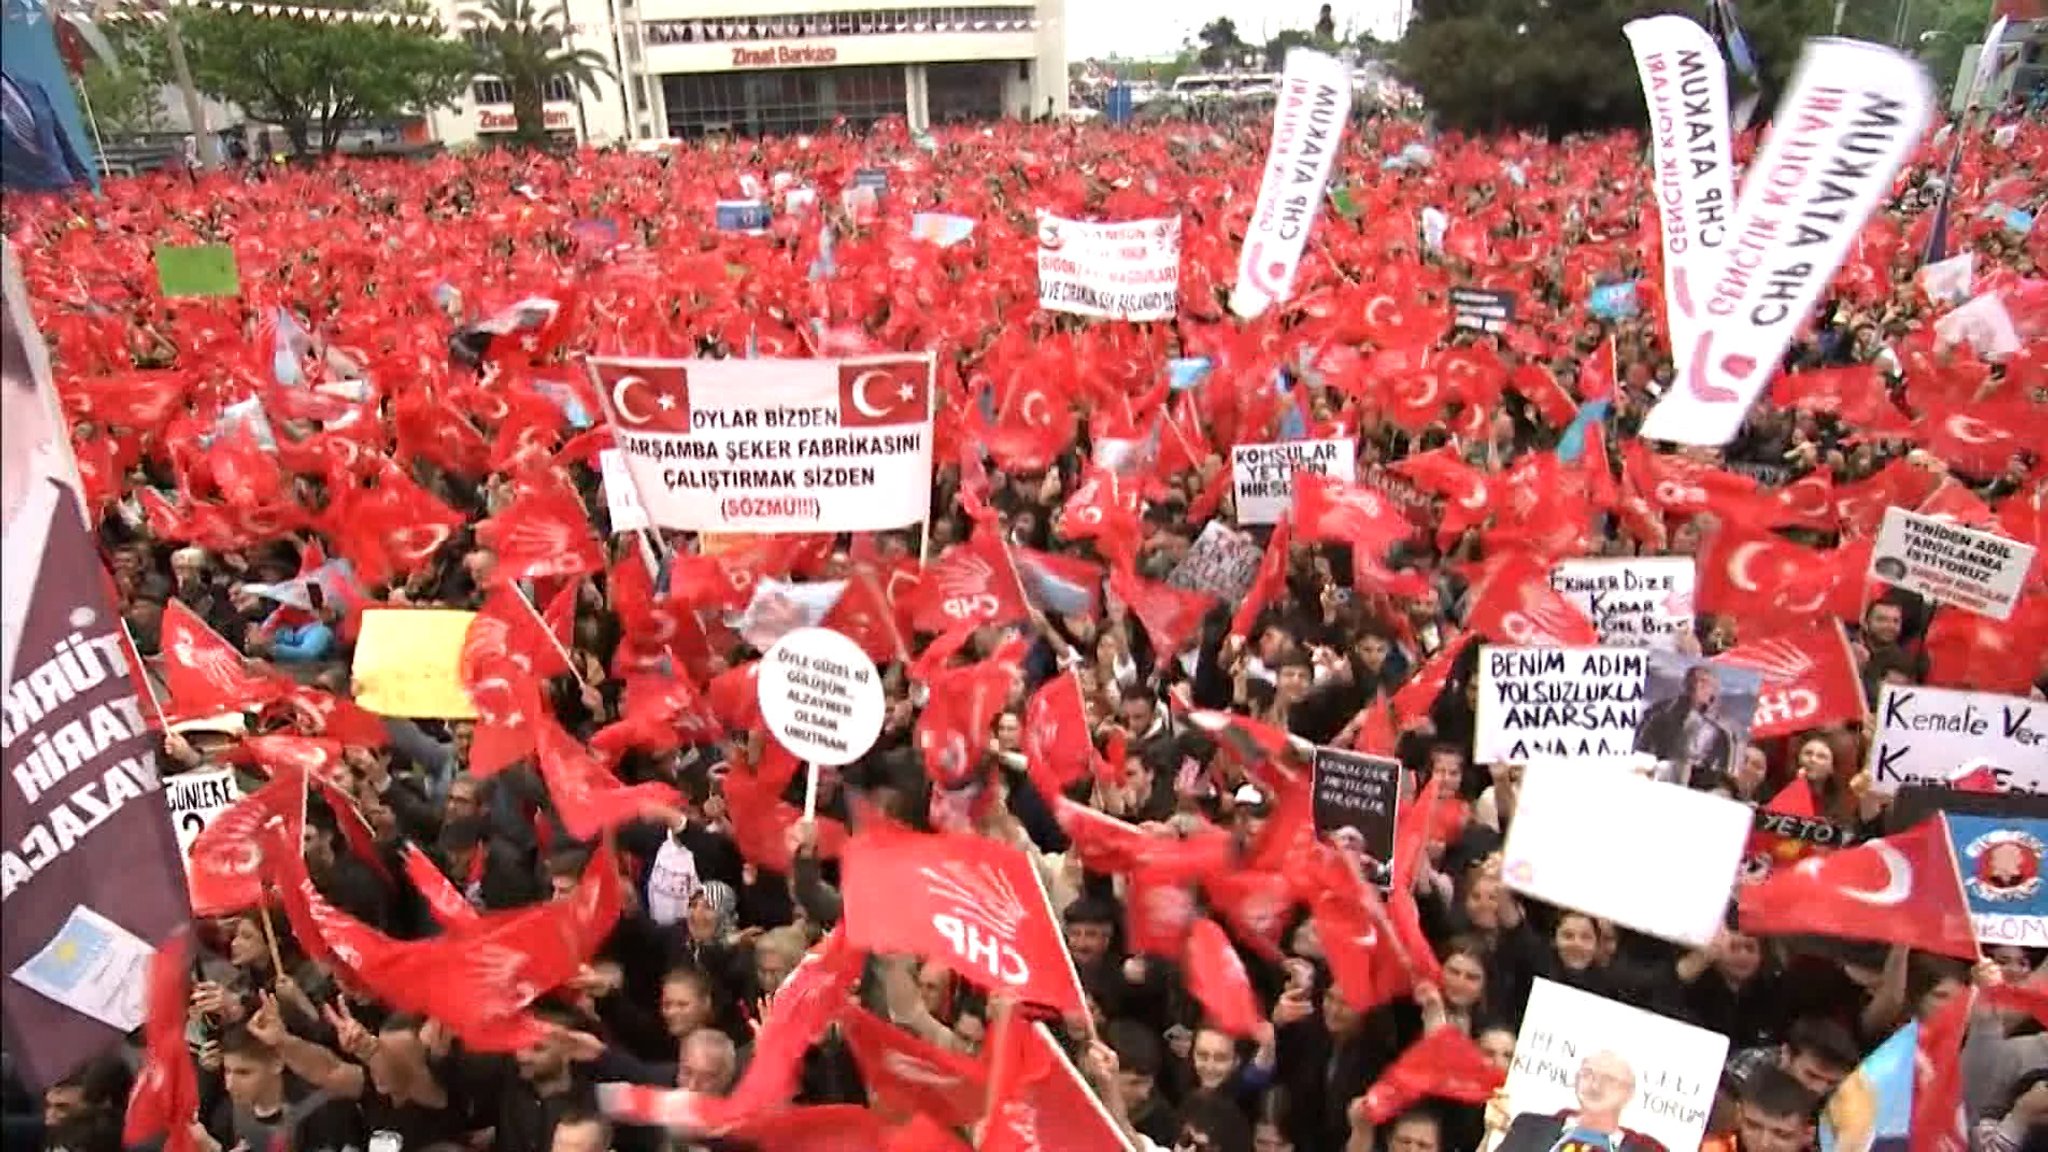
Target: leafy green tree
[[311, 77], [528, 48], [1220, 43], [125, 93], [1490, 65], [1276, 48], [1326, 26]]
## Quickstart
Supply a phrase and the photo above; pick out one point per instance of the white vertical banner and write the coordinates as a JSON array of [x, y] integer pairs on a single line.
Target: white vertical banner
[[1850, 117], [1308, 125], [1685, 83]]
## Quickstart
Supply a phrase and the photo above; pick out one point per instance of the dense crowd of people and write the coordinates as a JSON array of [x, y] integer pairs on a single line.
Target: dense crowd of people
[[366, 328]]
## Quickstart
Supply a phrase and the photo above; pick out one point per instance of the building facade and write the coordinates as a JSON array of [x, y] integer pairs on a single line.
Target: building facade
[[690, 69]]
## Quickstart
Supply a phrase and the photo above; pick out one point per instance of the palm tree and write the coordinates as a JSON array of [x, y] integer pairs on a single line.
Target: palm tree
[[529, 50]]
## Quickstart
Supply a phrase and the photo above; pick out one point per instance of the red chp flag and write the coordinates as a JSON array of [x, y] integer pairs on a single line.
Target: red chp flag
[[1810, 679], [225, 868], [202, 672], [1444, 1064], [1268, 582], [966, 901], [973, 583], [910, 1077], [1330, 509], [1900, 889], [1038, 1102], [1217, 977], [1514, 603], [165, 1099]]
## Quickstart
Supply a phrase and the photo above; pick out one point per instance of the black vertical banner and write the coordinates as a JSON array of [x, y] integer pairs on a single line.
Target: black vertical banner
[[90, 874], [1357, 799]]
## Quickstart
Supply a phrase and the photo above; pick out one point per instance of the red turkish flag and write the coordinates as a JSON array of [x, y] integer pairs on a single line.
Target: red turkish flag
[[165, 1099], [589, 799], [447, 904], [1412, 704], [317, 713], [644, 397], [815, 995], [953, 730], [225, 868], [203, 673], [887, 391], [1217, 977], [1444, 1064], [1171, 616], [1056, 739], [1037, 1101], [544, 533], [1938, 1121], [1256, 903], [975, 582], [1105, 509], [1810, 678], [1976, 653], [911, 1077], [1270, 581], [1764, 580], [1333, 510], [1901, 889], [967, 901], [659, 713], [1513, 603]]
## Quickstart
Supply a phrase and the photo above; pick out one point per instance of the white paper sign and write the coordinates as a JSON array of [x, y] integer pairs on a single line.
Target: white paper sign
[[1687, 846], [821, 697], [1587, 1057], [620, 497], [1943, 561], [197, 799], [92, 966], [1925, 734], [1557, 702], [1262, 475], [1633, 602], [1127, 271], [774, 445]]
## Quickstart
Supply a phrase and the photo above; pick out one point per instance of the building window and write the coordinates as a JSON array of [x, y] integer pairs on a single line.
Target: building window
[[558, 91], [781, 102], [873, 22]]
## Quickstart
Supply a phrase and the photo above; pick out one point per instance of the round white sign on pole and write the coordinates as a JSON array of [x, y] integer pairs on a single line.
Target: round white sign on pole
[[821, 696]]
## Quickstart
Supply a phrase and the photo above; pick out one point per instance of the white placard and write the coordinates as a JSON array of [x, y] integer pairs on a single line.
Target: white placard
[[1633, 602], [1126, 271], [1688, 845], [821, 697], [772, 446], [1557, 702], [197, 799], [1944, 561], [1604, 1064], [1925, 734], [1262, 475], [621, 499]]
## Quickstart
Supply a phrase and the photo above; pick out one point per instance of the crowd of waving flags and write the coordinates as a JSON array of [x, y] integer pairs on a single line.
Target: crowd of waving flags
[[1739, 266]]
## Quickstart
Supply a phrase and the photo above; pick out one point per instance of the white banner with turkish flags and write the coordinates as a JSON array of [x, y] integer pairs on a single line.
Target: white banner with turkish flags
[[1850, 117], [768, 446]]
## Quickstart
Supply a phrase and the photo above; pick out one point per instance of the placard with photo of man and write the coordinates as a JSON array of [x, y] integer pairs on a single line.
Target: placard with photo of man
[[1695, 717]]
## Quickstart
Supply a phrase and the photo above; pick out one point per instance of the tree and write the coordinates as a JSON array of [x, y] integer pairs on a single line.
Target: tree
[[1221, 45], [309, 76], [125, 93], [1286, 38], [529, 49], [1490, 65], [1326, 26]]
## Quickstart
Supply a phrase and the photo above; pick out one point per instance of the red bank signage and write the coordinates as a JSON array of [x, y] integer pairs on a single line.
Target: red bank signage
[[782, 56], [554, 120]]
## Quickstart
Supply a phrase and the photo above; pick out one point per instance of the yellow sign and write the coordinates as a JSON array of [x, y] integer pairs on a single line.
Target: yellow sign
[[409, 663]]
